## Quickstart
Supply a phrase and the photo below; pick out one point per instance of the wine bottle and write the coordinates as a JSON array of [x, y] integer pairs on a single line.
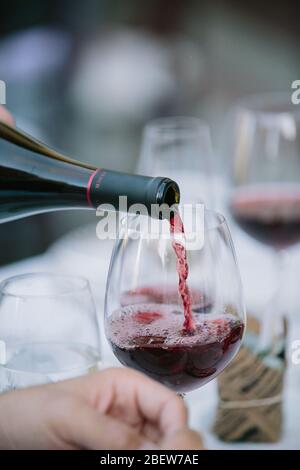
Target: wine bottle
[[31, 183]]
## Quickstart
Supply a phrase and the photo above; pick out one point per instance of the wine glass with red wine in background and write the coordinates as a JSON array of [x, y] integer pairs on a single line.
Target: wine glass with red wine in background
[[172, 312], [265, 194]]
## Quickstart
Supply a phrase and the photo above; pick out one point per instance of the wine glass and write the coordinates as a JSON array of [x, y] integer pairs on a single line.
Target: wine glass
[[144, 312], [265, 194], [48, 330], [180, 147]]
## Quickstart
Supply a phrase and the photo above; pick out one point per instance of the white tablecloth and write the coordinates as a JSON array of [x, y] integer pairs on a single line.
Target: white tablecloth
[[82, 253]]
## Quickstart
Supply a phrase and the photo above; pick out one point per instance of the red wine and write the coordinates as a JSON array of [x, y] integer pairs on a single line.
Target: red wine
[[31, 183], [270, 214], [150, 338], [182, 267]]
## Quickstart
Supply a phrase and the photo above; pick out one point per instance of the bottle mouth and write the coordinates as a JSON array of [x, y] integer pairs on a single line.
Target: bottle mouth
[[168, 193]]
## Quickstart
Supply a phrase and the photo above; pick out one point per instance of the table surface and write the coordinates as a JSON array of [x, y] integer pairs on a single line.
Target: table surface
[[76, 253]]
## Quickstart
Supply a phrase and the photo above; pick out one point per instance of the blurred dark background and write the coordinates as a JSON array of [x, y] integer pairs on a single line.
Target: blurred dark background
[[86, 77]]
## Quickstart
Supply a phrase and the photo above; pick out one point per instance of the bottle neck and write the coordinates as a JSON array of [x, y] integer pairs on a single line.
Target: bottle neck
[[142, 194], [31, 183], [92, 185]]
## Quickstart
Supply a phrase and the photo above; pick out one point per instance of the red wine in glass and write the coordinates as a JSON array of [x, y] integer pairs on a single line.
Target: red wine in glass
[[146, 329], [270, 213], [150, 338]]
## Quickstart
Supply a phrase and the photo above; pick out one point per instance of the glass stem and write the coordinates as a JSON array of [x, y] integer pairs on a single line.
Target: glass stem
[[272, 313]]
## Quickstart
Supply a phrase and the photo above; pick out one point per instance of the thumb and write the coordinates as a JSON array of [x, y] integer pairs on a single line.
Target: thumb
[[183, 439], [85, 428]]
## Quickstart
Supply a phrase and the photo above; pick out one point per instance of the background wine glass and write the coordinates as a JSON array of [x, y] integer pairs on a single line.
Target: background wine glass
[[265, 196], [48, 330], [180, 147], [143, 309]]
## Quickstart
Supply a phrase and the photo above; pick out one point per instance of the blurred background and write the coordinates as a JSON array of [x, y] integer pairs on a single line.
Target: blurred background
[[87, 76]]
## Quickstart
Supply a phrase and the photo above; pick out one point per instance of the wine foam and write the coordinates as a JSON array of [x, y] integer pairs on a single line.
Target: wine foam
[[161, 325]]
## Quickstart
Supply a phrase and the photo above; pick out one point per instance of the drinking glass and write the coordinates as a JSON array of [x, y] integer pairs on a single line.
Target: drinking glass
[[265, 193], [144, 312], [48, 329], [180, 147]]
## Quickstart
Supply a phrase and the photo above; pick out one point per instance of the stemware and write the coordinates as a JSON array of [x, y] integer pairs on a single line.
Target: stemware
[[265, 147], [143, 309], [48, 329], [180, 147], [265, 194]]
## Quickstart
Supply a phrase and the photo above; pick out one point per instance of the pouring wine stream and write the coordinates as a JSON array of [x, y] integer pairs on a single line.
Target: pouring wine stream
[[182, 267]]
